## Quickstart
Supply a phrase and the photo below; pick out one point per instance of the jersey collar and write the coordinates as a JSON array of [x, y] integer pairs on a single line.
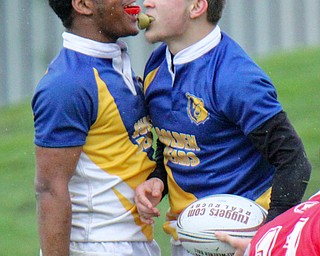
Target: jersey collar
[[198, 49], [93, 48], [115, 51]]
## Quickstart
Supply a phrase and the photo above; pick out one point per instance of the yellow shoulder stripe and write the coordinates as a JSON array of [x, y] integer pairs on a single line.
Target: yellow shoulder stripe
[[149, 78]]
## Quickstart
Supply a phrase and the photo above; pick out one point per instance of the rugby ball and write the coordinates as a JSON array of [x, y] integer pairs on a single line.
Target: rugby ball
[[238, 216]]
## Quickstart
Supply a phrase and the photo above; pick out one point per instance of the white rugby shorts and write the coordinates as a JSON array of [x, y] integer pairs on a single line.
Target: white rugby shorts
[[114, 249]]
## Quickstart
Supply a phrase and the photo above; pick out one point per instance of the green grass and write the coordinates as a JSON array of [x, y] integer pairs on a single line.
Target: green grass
[[296, 76], [17, 203]]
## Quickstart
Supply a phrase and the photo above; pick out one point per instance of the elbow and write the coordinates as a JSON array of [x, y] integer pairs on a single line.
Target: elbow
[[51, 189], [41, 188]]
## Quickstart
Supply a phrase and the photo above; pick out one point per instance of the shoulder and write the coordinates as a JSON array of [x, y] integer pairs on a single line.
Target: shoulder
[[234, 60], [246, 94], [67, 88], [156, 58], [67, 76], [158, 52]]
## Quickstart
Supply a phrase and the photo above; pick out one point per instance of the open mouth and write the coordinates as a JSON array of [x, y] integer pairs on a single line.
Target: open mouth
[[132, 9]]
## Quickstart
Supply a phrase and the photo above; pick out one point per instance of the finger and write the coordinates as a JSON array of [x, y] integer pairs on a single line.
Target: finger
[[148, 213], [223, 237], [144, 209], [142, 192], [156, 212], [149, 221], [142, 199], [239, 244], [147, 218]]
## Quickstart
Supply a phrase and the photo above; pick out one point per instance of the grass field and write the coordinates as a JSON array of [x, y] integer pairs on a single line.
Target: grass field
[[296, 76]]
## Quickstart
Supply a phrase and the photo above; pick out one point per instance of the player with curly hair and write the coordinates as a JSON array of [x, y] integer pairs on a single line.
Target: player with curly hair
[[93, 137]]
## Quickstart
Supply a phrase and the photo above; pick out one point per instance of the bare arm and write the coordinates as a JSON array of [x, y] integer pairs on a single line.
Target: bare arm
[[54, 169]]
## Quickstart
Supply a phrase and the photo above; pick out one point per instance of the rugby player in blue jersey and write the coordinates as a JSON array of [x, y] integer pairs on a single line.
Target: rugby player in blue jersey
[[220, 126], [93, 137]]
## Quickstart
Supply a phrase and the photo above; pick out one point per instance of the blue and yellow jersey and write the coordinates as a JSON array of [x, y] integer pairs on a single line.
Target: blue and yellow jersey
[[203, 103], [89, 97]]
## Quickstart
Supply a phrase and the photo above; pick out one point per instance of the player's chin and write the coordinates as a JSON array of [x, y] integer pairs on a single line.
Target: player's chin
[[131, 31], [134, 28], [135, 32], [151, 37]]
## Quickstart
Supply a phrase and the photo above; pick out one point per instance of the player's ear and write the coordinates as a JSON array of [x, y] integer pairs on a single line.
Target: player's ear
[[83, 6], [198, 8]]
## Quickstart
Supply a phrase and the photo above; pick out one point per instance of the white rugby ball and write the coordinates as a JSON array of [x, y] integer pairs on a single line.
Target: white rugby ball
[[235, 215]]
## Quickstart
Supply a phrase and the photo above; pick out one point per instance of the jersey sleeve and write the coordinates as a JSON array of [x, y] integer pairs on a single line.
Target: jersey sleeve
[[247, 96], [64, 108]]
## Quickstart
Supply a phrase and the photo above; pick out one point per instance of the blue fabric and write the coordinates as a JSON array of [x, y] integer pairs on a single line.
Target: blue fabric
[[213, 103]]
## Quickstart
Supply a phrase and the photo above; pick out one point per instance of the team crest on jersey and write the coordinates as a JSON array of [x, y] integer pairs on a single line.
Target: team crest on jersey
[[196, 110]]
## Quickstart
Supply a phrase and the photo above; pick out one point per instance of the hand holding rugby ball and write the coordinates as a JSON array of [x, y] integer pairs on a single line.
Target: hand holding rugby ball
[[237, 216]]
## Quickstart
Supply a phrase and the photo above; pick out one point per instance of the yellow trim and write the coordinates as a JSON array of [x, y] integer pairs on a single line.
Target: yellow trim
[[108, 146], [170, 230], [178, 198], [178, 201], [149, 78], [264, 199], [147, 230]]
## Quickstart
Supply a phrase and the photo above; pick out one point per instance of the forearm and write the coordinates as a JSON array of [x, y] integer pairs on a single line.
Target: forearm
[[288, 188], [282, 147], [54, 223], [54, 169]]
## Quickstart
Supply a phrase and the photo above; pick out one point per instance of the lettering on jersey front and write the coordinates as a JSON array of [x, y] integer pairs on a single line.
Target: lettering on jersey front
[[142, 133], [196, 110], [233, 213], [180, 148]]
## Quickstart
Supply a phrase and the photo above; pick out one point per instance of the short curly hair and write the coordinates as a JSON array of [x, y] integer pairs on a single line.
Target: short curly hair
[[63, 9], [215, 8]]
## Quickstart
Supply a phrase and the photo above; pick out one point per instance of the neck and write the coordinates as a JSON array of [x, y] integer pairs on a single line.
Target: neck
[[83, 27], [195, 33]]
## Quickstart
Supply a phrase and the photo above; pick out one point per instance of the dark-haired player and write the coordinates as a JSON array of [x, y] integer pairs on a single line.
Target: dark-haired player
[[217, 116], [93, 137]]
